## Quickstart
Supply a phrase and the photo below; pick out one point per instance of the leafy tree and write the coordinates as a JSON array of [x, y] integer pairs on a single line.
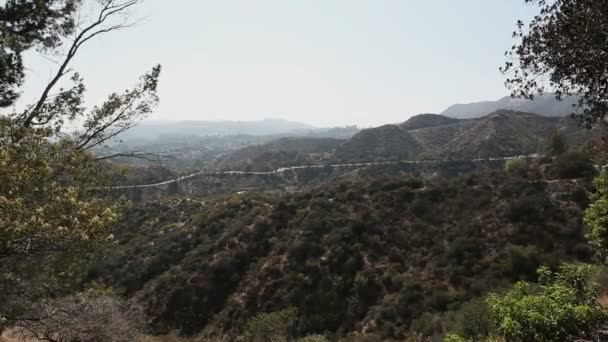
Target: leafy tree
[[563, 50], [556, 143], [25, 24], [564, 307], [53, 210], [596, 216]]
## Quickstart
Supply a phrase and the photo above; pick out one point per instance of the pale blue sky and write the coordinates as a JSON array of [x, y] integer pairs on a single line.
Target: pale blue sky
[[325, 62]]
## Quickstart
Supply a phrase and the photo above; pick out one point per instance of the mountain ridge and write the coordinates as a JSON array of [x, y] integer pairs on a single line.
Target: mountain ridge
[[154, 129], [502, 133], [546, 105]]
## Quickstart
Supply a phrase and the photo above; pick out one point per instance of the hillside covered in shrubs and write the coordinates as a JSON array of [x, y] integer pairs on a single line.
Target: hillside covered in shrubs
[[384, 256], [426, 136]]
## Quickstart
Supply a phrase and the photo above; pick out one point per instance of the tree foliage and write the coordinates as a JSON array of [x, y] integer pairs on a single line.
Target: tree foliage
[[573, 164], [473, 320], [596, 216], [272, 327], [556, 143], [563, 50], [53, 211], [564, 307], [25, 24], [516, 166]]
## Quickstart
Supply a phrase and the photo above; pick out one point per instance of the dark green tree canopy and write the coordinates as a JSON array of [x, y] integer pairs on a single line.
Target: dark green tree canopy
[[564, 50], [25, 24]]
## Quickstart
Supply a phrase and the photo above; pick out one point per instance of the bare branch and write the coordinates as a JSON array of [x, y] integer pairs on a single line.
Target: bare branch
[[88, 138], [111, 8], [107, 137]]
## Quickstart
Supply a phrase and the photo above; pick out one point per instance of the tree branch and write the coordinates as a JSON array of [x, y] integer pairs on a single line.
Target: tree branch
[[110, 9]]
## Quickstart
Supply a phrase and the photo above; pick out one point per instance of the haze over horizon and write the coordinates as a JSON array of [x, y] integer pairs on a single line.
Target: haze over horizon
[[323, 63]]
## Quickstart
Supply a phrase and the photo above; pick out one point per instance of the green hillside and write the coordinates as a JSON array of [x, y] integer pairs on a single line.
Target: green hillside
[[383, 255]]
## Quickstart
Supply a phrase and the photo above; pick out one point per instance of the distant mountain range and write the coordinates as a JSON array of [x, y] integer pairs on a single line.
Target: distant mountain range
[[502, 133], [502, 128], [546, 105], [176, 132], [159, 129]]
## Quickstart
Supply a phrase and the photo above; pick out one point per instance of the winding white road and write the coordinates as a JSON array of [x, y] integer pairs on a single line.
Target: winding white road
[[290, 168]]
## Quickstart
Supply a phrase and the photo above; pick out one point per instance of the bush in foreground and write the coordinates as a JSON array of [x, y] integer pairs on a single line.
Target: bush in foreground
[[564, 306]]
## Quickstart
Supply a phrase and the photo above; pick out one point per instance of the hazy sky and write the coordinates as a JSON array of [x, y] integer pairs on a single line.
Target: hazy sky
[[324, 62]]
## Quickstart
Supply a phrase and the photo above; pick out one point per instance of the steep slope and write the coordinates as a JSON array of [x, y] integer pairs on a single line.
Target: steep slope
[[438, 137], [381, 143], [500, 134], [544, 105], [361, 254]]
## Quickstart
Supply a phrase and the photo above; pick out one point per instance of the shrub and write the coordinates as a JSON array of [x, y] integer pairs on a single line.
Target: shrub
[[464, 251], [564, 307], [580, 197], [529, 209], [456, 338], [358, 337], [522, 262], [473, 320], [426, 325], [271, 327], [421, 207], [395, 255], [516, 166], [556, 143], [573, 164], [596, 216], [313, 338]]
